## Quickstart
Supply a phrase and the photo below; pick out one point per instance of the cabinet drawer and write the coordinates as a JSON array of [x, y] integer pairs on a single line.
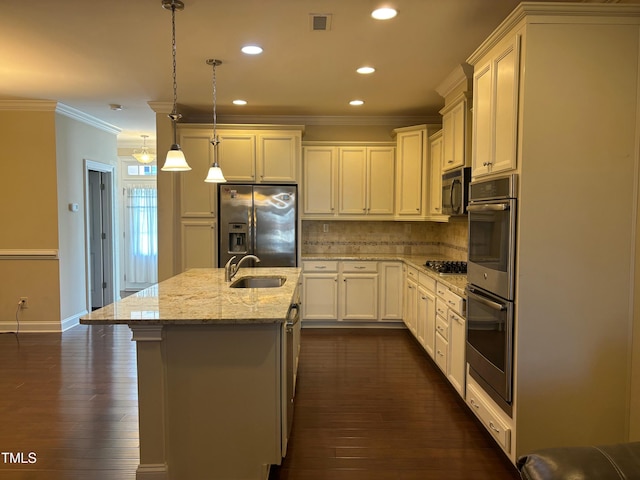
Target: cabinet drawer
[[441, 353], [441, 290], [412, 273], [491, 420], [320, 266], [454, 317], [360, 267], [455, 302], [427, 282], [442, 327], [441, 307]]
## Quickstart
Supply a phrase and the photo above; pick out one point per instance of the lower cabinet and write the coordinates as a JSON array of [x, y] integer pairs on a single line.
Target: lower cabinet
[[361, 291]]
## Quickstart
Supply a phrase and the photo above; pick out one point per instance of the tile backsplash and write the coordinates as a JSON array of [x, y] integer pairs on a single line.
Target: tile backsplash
[[407, 238]]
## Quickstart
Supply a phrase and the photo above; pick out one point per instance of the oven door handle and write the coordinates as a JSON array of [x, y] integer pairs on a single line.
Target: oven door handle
[[488, 207], [485, 301]]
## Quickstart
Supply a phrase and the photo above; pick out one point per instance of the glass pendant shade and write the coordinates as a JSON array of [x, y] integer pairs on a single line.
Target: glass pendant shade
[[215, 175], [144, 157], [175, 161]]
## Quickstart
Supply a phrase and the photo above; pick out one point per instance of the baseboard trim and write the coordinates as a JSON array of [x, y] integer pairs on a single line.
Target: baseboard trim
[[152, 471], [42, 326]]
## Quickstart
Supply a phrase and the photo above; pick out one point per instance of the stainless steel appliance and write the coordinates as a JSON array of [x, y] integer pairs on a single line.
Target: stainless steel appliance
[[455, 187], [492, 227], [490, 344], [259, 220], [491, 289]]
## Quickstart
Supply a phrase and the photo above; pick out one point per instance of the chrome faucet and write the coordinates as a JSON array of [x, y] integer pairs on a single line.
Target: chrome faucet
[[230, 269]]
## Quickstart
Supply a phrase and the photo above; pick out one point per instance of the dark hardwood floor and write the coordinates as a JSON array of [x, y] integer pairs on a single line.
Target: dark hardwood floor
[[370, 405]]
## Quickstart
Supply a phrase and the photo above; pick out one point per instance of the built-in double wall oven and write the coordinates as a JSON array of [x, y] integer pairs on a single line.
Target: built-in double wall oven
[[491, 289]]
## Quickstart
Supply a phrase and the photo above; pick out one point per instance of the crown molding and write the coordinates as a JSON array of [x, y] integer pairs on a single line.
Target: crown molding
[[462, 73], [305, 120], [28, 105], [74, 114]]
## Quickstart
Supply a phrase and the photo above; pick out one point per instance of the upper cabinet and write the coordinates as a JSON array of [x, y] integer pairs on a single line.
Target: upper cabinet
[[348, 181], [456, 117], [435, 174], [495, 108], [411, 172], [255, 156]]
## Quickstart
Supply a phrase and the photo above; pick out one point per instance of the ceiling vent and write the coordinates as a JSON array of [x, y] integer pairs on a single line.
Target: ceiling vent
[[320, 21]]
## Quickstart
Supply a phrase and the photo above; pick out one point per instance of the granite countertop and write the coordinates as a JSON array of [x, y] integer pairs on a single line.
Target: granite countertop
[[457, 283], [201, 296]]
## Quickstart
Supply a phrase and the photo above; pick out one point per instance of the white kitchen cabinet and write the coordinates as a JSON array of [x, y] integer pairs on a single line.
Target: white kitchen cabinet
[[411, 166], [441, 356], [358, 291], [197, 198], [495, 109], [320, 290], [454, 134], [457, 352], [426, 313], [411, 300], [391, 274], [320, 165], [345, 181], [198, 240], [435, 174], [270, 156]]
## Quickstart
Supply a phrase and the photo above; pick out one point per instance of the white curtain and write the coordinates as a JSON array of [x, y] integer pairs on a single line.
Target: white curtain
[[141, 202]]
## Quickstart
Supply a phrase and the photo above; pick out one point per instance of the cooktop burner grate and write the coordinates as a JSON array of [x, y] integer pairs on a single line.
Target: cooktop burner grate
[[447, 267]]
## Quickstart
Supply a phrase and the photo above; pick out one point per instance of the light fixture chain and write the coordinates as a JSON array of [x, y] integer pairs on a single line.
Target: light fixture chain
[[173, 51]]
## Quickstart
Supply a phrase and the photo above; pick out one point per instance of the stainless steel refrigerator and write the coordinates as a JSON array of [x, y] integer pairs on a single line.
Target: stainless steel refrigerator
[[259, 220]]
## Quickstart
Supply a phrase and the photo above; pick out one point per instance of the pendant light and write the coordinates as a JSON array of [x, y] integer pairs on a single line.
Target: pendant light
[[144, 156], [215, 172], [175, 161]]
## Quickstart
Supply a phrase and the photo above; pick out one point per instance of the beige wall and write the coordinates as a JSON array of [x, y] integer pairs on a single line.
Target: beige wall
[[29, 216], [77, 142]]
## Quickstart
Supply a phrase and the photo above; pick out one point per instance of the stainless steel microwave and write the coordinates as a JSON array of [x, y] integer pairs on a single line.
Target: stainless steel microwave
[[455, 191]]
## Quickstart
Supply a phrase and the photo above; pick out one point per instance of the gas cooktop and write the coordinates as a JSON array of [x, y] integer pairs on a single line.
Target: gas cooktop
[[446, 267]]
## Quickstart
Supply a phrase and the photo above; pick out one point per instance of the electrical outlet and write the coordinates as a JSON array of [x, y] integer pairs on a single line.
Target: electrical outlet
[[325, 227], [24, 302]]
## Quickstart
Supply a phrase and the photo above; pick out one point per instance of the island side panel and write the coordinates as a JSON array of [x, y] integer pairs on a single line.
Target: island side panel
[[223, 400], [151, 401]]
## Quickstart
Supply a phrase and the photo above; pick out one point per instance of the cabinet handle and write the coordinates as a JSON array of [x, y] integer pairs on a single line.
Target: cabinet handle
[[440, 353], [493, 427], [453, 304], [359, 267], [423, 298], [486, 164], [473, 403], [320, 267], [449, 161]]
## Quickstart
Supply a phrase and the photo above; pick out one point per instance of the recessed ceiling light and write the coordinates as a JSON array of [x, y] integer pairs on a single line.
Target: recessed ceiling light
[[239, 102], [384, 13], [356, 103], [366, 70], [252, 49]]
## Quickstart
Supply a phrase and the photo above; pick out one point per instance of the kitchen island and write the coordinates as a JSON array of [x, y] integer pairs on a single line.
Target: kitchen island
[[216, 373]]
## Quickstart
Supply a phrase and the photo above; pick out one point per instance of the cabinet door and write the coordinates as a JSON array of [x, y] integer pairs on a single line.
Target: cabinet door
[[380, 180], [409, 194], [426, 319], [278, 157], [482, 125], [495, 111], [320, 296], [319, 166], [352, 179], [198, 244], [435, 181], [506, 73], [441, 353], [237, 156], [457, 355], [391, 291], [411, 306], [197, 198], [359, 296]]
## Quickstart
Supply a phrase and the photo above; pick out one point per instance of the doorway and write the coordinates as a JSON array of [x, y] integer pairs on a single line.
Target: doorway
[[99, 234]]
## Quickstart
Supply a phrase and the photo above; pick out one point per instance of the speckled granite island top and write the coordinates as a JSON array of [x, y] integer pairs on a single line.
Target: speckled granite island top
[[201, 296]]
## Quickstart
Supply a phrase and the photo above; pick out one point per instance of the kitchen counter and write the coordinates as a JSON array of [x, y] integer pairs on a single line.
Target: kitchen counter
[[216, 373], [456, 283], [201, 296]]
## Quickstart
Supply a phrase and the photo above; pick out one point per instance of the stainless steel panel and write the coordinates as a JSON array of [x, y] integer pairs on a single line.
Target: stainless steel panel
[[275, 225]]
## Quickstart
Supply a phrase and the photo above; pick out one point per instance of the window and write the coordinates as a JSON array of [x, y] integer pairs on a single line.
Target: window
[[141, 234]]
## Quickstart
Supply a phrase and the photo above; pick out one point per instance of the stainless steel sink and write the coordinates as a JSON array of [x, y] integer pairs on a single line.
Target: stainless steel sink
[[258, 282]]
